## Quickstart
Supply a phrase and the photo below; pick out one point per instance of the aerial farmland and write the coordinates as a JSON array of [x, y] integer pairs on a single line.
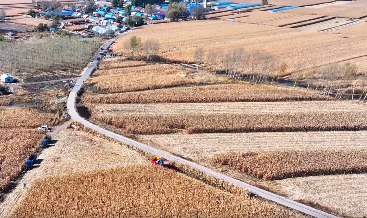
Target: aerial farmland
[[252, 109]]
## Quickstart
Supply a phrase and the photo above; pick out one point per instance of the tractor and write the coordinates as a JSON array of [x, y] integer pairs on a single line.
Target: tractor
[[158, 161], [46, 141], [30, 162]]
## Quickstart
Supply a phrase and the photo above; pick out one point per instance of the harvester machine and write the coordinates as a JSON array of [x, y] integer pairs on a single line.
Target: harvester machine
[[159, 162]]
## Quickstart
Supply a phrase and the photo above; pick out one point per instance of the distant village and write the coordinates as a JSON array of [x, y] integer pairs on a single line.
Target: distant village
[[100, 18]]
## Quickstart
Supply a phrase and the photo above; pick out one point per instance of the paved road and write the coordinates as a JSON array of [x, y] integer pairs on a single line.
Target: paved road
[[260, 192]]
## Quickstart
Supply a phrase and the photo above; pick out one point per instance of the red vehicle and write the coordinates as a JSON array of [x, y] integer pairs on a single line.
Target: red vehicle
[[158, 161]]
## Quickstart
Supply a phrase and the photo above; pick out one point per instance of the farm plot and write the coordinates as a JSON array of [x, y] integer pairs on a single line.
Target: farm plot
[[107, 64], [345, 194], [355, 9], [233, 117], [242, 92], [289, 164], [19, 140], [47, 57], [74, 151], [139, 191], [148, 77], [15, 147], [299, 49], [30, 21], [201, 147]]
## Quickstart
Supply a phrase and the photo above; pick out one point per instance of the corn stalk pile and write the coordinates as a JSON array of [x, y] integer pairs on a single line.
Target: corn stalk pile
[[138, 191], [288, 164], [147, 77], [213, 123], [211, 93], [15, 147]]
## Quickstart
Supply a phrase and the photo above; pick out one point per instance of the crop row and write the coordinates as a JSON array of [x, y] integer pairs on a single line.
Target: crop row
[[138, 191], [210, 93], [147, 77], [112, 64], [29, 118], [288, 164], [15, 147], [213, 123]]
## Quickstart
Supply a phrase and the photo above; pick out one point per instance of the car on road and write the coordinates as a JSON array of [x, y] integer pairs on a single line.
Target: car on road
[[45, 128]]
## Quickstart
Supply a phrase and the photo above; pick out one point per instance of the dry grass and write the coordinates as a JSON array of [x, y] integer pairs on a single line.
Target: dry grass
[[148, 77], [289, 164], [294, 47], [345, 194], [137, 192], [243, 92], [200, 147], [28, 118], [16, 11], [106, 64], [15, 147]]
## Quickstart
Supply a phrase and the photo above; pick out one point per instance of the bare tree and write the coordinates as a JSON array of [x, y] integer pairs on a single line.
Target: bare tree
[[134, 46], [151, 48], [2, 15], [198, 55], [212, 60]]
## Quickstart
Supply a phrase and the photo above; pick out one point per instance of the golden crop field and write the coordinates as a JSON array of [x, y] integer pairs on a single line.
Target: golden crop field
[[289, 164], [233, 117], [15, 147], [23, 117], [149, 77], [139, 191], [295, 47], [200, 147], [243, 92]]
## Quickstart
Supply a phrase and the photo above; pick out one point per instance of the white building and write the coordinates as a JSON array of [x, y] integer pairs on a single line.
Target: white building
[[6, 78]]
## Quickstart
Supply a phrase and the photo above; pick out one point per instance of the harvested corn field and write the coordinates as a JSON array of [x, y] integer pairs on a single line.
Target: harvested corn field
[[345, 194], [139, 191], [243, 92], [106, 64], [289, 164], [298, 48], [148, 77], [250, 108], [15, 147], [233, 117], [200, 147]]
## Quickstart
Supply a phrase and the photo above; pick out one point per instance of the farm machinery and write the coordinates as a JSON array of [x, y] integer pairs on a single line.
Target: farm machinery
[[46, 141], [30, 162], [159, 162]]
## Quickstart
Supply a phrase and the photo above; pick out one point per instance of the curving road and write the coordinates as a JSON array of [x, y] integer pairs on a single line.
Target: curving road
[[260, 192]]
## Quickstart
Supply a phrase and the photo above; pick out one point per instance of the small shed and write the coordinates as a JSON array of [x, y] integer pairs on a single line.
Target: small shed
[[6, 78]]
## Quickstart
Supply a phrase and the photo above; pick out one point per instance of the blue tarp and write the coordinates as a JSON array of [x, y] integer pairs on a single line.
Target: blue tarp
[[63, 13], [283, 9], [243, 6], [139, 14], [221, 3], [101, 12]]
